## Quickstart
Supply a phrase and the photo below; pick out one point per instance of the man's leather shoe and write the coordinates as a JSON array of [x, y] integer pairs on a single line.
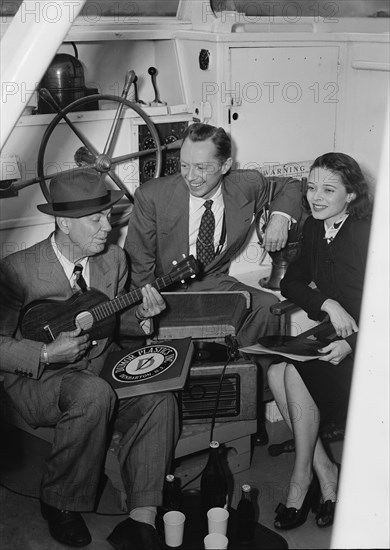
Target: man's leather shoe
[[65, 526], [261, 437], [134, 535]]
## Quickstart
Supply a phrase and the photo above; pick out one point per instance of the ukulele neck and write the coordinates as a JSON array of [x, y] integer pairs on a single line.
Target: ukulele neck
[[106, 309]]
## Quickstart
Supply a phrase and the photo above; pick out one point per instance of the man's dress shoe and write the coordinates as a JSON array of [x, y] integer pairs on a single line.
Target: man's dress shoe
[[134, 535], [65, 526]]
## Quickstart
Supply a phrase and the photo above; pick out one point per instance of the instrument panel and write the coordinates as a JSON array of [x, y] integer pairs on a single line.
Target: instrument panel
[[169, 132]]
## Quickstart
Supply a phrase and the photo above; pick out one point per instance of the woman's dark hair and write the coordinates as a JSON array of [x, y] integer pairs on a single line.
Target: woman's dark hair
[[200, 132], [353, 180]]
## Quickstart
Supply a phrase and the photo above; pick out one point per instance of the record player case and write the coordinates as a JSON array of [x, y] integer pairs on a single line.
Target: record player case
[[207, 318], [210, 317]]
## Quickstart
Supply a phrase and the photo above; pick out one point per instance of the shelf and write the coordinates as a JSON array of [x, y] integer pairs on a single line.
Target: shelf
[[126, 28], [170, 112]]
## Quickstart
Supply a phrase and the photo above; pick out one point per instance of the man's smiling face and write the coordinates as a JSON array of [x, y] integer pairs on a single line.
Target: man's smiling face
[[201, 169]]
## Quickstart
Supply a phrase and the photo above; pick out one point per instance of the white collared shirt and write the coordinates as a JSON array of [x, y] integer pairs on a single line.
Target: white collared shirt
[[196, 210], [331, 232], [69, 266]]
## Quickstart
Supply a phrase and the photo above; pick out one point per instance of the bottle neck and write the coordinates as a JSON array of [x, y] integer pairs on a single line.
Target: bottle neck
[[246, 492], [214, 454]]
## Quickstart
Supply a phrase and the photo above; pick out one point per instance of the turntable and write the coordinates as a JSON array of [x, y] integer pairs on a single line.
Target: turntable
[[212, 319]]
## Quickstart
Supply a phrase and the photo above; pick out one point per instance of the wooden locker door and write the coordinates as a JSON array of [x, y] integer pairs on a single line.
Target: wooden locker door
[[284, 103]]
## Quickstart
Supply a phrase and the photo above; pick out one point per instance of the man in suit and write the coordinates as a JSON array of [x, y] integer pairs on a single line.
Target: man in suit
[[57, 384], [167, 216]]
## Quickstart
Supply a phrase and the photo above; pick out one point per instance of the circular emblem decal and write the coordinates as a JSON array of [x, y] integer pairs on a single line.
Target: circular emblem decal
[[144, 363]]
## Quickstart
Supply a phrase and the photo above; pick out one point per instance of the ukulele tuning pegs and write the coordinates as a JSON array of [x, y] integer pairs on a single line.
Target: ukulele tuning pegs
[[174, 262]]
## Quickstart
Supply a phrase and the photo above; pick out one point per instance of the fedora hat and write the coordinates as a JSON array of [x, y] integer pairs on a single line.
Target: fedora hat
[[78, 193]]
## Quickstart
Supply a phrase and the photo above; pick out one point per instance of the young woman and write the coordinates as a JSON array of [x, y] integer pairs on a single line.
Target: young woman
[[309, 394]]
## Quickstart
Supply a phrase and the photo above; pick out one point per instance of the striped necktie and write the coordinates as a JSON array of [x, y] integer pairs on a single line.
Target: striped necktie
[[79, 279]]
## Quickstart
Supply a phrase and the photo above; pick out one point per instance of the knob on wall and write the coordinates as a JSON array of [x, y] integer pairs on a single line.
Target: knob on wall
[[204, 59]]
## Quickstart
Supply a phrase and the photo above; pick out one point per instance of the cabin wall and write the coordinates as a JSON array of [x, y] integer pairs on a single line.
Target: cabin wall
[[365, 92], [341, 108], [288, 98]]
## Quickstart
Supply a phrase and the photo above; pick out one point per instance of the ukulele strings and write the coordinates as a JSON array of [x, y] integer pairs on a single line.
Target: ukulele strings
[[108, 308]]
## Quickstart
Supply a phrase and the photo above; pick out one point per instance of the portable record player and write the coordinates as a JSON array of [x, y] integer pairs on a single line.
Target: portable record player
[[212, 320]]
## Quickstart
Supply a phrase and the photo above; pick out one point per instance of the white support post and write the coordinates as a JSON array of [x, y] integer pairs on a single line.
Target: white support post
[[29, 44], [363, 509]]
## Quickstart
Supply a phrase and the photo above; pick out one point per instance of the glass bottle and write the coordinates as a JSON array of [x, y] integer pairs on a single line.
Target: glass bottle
[[213, 483], [246, 521], [172, 497]]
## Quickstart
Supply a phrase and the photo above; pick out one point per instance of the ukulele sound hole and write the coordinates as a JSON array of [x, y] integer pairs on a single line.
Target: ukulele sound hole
[[84, 320]]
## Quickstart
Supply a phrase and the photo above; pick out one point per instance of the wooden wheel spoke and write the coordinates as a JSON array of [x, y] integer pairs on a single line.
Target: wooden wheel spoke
[[130, 156], [81, 137], [26, 183], [116, 179], [61, 113], [130, 76]]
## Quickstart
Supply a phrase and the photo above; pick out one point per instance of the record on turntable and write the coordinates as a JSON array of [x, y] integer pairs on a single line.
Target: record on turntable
[[292, 345], [212, 352]]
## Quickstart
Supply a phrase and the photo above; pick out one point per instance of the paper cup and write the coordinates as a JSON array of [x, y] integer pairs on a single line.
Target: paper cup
[[174, 528], [215, 541], [217, 519]]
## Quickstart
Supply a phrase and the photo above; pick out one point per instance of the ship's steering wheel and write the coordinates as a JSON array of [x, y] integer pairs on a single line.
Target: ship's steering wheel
[[87, 155]]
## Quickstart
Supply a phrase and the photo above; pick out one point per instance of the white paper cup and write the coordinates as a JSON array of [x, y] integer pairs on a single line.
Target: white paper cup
[[174, 528], [217, 519], [215, 541]]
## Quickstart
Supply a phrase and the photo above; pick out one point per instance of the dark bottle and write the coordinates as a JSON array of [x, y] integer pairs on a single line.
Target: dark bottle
[[246, 516], [213, 483], [172, 497]]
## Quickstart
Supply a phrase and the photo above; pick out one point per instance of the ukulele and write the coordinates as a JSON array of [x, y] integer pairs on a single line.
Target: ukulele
[[92, 311]]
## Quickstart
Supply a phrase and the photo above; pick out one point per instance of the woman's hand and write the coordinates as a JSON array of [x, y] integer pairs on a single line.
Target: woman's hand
[[335, 352], [341, 320], [152, 303]]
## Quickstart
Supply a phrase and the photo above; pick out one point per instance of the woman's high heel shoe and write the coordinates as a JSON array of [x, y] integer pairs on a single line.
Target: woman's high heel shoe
[[289, 518], [325, 513], [326, 510]]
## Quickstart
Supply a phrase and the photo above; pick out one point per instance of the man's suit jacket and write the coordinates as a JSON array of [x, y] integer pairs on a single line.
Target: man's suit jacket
[[158, 228], [36, 274]]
